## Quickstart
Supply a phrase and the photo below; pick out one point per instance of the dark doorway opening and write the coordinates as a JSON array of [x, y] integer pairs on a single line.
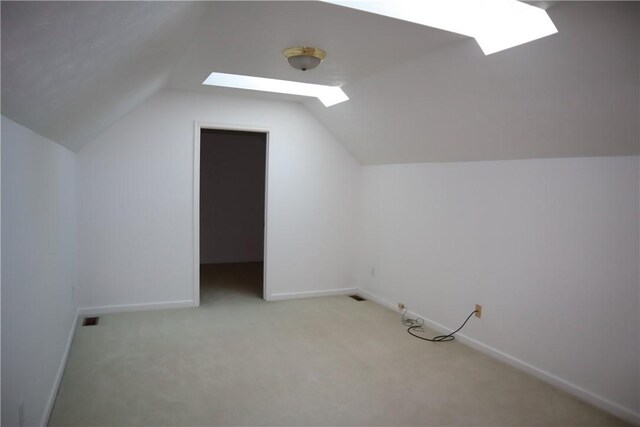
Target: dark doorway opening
[[232, 213]]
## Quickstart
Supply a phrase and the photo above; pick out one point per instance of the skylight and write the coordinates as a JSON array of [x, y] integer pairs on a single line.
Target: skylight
[[495, 24], [328, 95], [509, 23]]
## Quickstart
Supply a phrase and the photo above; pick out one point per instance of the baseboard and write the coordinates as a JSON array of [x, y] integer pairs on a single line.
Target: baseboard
[[110, 309], [567, 386], [310, 294], [56, 382], [366, 295]]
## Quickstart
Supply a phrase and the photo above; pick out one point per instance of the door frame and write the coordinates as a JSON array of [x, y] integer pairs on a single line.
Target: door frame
[[198, 126]]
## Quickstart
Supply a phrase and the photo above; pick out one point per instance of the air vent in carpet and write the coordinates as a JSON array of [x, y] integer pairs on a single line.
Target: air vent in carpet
[[90, 321], [357, 297]]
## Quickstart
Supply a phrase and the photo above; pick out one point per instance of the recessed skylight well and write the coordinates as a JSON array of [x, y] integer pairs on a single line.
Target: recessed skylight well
[[495, 24], [328, 95], [510, 23]]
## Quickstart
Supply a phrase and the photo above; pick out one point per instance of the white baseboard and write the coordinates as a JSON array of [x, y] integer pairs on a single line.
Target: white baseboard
[[567, 386], [110, 309], [550, 378], [376, 299], [92, 311], [56, 382], [309, 294]]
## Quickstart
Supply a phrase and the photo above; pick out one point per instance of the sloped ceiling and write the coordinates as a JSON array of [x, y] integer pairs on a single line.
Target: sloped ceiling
[[573, 94], [244, 37], [71, 69]]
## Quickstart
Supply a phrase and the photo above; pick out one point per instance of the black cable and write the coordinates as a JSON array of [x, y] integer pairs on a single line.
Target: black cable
[[439, 338]]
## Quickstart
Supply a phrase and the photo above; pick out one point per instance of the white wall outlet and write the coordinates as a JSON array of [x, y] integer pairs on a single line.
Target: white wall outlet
[[373, 272], [478, 311]]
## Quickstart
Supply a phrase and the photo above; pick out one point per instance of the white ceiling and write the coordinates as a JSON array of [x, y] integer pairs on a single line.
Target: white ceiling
[[573, 94], [71, 69], [245, 37]]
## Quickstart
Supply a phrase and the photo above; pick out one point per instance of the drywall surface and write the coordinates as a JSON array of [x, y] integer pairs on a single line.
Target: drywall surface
[[232, 190], [550, 249], [136, 200], [559, 96], [39, 271], [71, 69]]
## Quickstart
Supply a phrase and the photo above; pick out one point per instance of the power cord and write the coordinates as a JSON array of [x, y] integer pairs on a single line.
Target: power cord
[[416, 325]]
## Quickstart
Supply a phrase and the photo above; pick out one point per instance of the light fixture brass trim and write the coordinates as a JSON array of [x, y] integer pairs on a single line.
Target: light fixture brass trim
[[306, 51]]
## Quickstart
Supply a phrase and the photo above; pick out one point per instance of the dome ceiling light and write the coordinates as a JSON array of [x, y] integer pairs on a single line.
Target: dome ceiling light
[[304, 58]]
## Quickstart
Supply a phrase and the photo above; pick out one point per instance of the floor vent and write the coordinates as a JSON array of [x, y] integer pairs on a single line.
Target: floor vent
[[357, 297], [90, 321]]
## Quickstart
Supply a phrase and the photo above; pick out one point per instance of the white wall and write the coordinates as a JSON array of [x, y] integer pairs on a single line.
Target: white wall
[[232, 195], [550, 248], [136, 201], [39, 269]]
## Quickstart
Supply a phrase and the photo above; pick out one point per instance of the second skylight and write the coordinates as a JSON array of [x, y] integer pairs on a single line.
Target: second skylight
[[328, 95]]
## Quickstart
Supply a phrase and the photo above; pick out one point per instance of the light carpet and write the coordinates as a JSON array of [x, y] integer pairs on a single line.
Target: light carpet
[[238, 360]]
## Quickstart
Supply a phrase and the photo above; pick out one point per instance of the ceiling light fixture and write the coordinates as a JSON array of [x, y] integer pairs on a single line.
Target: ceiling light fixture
[[304, 58], [328, 95], [495, 24]]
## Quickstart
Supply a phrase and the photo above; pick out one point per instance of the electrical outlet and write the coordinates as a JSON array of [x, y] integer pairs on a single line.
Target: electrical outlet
[[478, 310], [21, 414], [401, 306], [373, 272]]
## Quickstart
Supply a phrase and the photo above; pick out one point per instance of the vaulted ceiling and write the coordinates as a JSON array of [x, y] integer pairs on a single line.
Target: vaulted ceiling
[[72, 69]]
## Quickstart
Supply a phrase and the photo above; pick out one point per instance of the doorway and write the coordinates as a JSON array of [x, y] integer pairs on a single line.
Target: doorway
[[232, 199]]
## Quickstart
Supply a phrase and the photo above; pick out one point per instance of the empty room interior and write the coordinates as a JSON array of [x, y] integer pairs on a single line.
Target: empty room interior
[[297, 213], [232, 195]]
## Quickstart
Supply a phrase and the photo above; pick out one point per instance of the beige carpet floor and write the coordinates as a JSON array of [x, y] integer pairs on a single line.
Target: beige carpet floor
[[238, 360]]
